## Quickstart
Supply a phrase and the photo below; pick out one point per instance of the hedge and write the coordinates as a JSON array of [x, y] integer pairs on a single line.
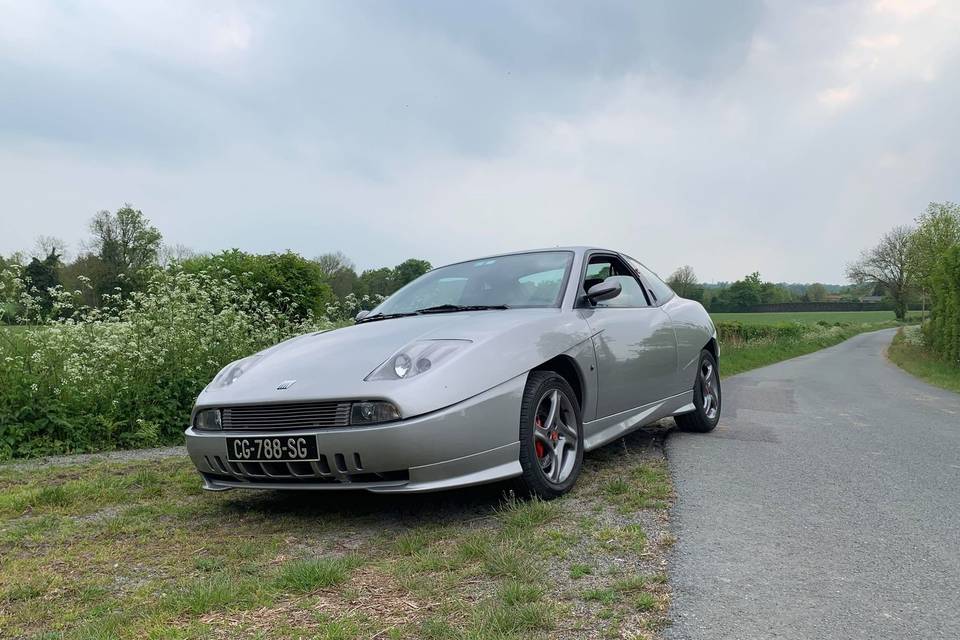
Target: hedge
[[943, 330]]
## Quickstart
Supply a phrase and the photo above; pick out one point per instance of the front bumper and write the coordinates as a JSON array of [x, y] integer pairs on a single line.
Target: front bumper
[[472, 442]]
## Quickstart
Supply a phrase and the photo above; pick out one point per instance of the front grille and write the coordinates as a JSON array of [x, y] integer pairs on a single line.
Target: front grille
[[286, 416]]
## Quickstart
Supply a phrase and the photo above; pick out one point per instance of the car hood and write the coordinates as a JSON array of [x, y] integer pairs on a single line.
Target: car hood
[[332, 365]]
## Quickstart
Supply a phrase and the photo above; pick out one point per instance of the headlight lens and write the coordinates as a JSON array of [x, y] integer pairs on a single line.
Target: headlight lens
[[230, 373], [208, 420], [416, 358], [373, 412]]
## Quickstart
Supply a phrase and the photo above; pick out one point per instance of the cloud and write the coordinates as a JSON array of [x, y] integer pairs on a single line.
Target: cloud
[[837, 97], [730, 136], [233, 34], [905, 8]]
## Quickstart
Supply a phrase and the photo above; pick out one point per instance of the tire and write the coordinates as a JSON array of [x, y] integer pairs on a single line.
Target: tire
[[546, 474], [707, 397]]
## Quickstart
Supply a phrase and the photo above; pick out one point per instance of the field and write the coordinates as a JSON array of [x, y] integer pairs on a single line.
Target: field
[[810, 317]]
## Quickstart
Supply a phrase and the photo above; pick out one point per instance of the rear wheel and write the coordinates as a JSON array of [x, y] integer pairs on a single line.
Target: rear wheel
[[706, 397], [551, 436]]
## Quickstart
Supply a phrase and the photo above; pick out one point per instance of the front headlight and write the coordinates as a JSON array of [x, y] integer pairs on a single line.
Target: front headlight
[[416, 358], [230, 373], [208, 420]]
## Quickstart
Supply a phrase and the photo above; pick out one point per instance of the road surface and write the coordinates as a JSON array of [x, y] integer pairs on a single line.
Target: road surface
[[825, 505]]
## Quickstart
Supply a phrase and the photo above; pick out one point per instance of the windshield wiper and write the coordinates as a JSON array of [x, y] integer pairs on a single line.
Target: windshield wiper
[[440, 308], [448, 308], [385, 316]]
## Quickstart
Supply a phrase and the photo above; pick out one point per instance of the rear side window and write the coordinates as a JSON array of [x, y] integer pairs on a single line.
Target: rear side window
[[659, 291]]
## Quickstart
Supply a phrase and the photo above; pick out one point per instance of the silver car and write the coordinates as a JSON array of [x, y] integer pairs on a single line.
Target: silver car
[[504, 367]]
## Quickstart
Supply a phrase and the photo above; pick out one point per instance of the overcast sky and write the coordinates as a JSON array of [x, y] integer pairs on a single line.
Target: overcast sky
[[731, 136]]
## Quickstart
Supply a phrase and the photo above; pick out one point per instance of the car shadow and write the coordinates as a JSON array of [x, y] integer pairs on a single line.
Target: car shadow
[[454, 506], [445, 507]]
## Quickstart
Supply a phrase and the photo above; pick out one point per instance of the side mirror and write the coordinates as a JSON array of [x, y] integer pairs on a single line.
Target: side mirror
[[606, 290], [360, 316]]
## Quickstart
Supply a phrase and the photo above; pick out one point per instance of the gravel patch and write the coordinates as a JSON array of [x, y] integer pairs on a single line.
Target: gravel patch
[[128, 455]]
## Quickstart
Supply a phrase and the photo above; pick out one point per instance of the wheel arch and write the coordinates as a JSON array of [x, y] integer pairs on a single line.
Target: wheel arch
[[713, 348], [568, 369]]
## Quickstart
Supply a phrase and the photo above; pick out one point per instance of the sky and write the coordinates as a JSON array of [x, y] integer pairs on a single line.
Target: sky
[[736, 136]]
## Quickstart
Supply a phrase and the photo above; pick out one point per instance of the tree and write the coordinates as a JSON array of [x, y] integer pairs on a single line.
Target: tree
[[816, 292], [938, 229], [40, 277], [408, 271], [742, 294], [338, 271], [887, 264], [45, 245], [171, 254], [331, 263], [377, 282], [127, 244], [684, 283]]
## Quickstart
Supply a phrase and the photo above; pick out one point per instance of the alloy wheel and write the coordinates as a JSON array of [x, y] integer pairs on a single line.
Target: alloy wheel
[[709, 390], [555, 436]]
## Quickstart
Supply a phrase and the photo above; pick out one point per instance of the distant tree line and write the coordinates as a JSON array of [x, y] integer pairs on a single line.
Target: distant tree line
[[752, 290], [123, 247]]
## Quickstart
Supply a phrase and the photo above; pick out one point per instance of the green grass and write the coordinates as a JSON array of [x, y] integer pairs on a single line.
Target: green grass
[[811, 317], [131, 550], [211, 594], [116, 550], [645, 486], [311, 574], [629, 537], [578, 571], [914, 358], [639, 591]]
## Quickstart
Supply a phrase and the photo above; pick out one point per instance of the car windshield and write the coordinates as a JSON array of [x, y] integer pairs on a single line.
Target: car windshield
[[517, 280]]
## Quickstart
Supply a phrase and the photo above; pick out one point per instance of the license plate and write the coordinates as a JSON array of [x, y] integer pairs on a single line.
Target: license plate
[[277, 449]]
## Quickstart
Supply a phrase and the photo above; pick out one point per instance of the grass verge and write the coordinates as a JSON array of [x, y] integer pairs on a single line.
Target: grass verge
[[738, 355], [908, 352], [134, 549]]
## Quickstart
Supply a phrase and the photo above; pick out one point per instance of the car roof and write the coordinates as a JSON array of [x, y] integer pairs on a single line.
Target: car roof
[[578, 249]]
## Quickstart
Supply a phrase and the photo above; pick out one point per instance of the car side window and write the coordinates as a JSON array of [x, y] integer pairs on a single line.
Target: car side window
[[659, 290], [601, 268]]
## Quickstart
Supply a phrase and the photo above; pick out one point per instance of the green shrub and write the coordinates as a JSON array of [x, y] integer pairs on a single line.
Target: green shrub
[[943, 330], [286, 281], [127, 374]]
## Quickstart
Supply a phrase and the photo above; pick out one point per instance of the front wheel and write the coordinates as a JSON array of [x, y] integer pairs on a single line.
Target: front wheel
[[551, 436], [706, 397]]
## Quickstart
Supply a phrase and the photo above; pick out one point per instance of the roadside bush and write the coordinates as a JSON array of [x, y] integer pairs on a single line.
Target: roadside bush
[[733, 333], [286, 281], [127, 374], [943, 330]]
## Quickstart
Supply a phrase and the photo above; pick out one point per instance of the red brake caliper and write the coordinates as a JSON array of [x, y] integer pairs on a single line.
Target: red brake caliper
[[537, 444]]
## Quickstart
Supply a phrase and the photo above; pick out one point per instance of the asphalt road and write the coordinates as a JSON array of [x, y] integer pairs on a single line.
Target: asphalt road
[[825, 505]]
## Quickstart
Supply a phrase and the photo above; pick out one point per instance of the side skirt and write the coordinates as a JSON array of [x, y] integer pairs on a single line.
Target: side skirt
[[599, 432]]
